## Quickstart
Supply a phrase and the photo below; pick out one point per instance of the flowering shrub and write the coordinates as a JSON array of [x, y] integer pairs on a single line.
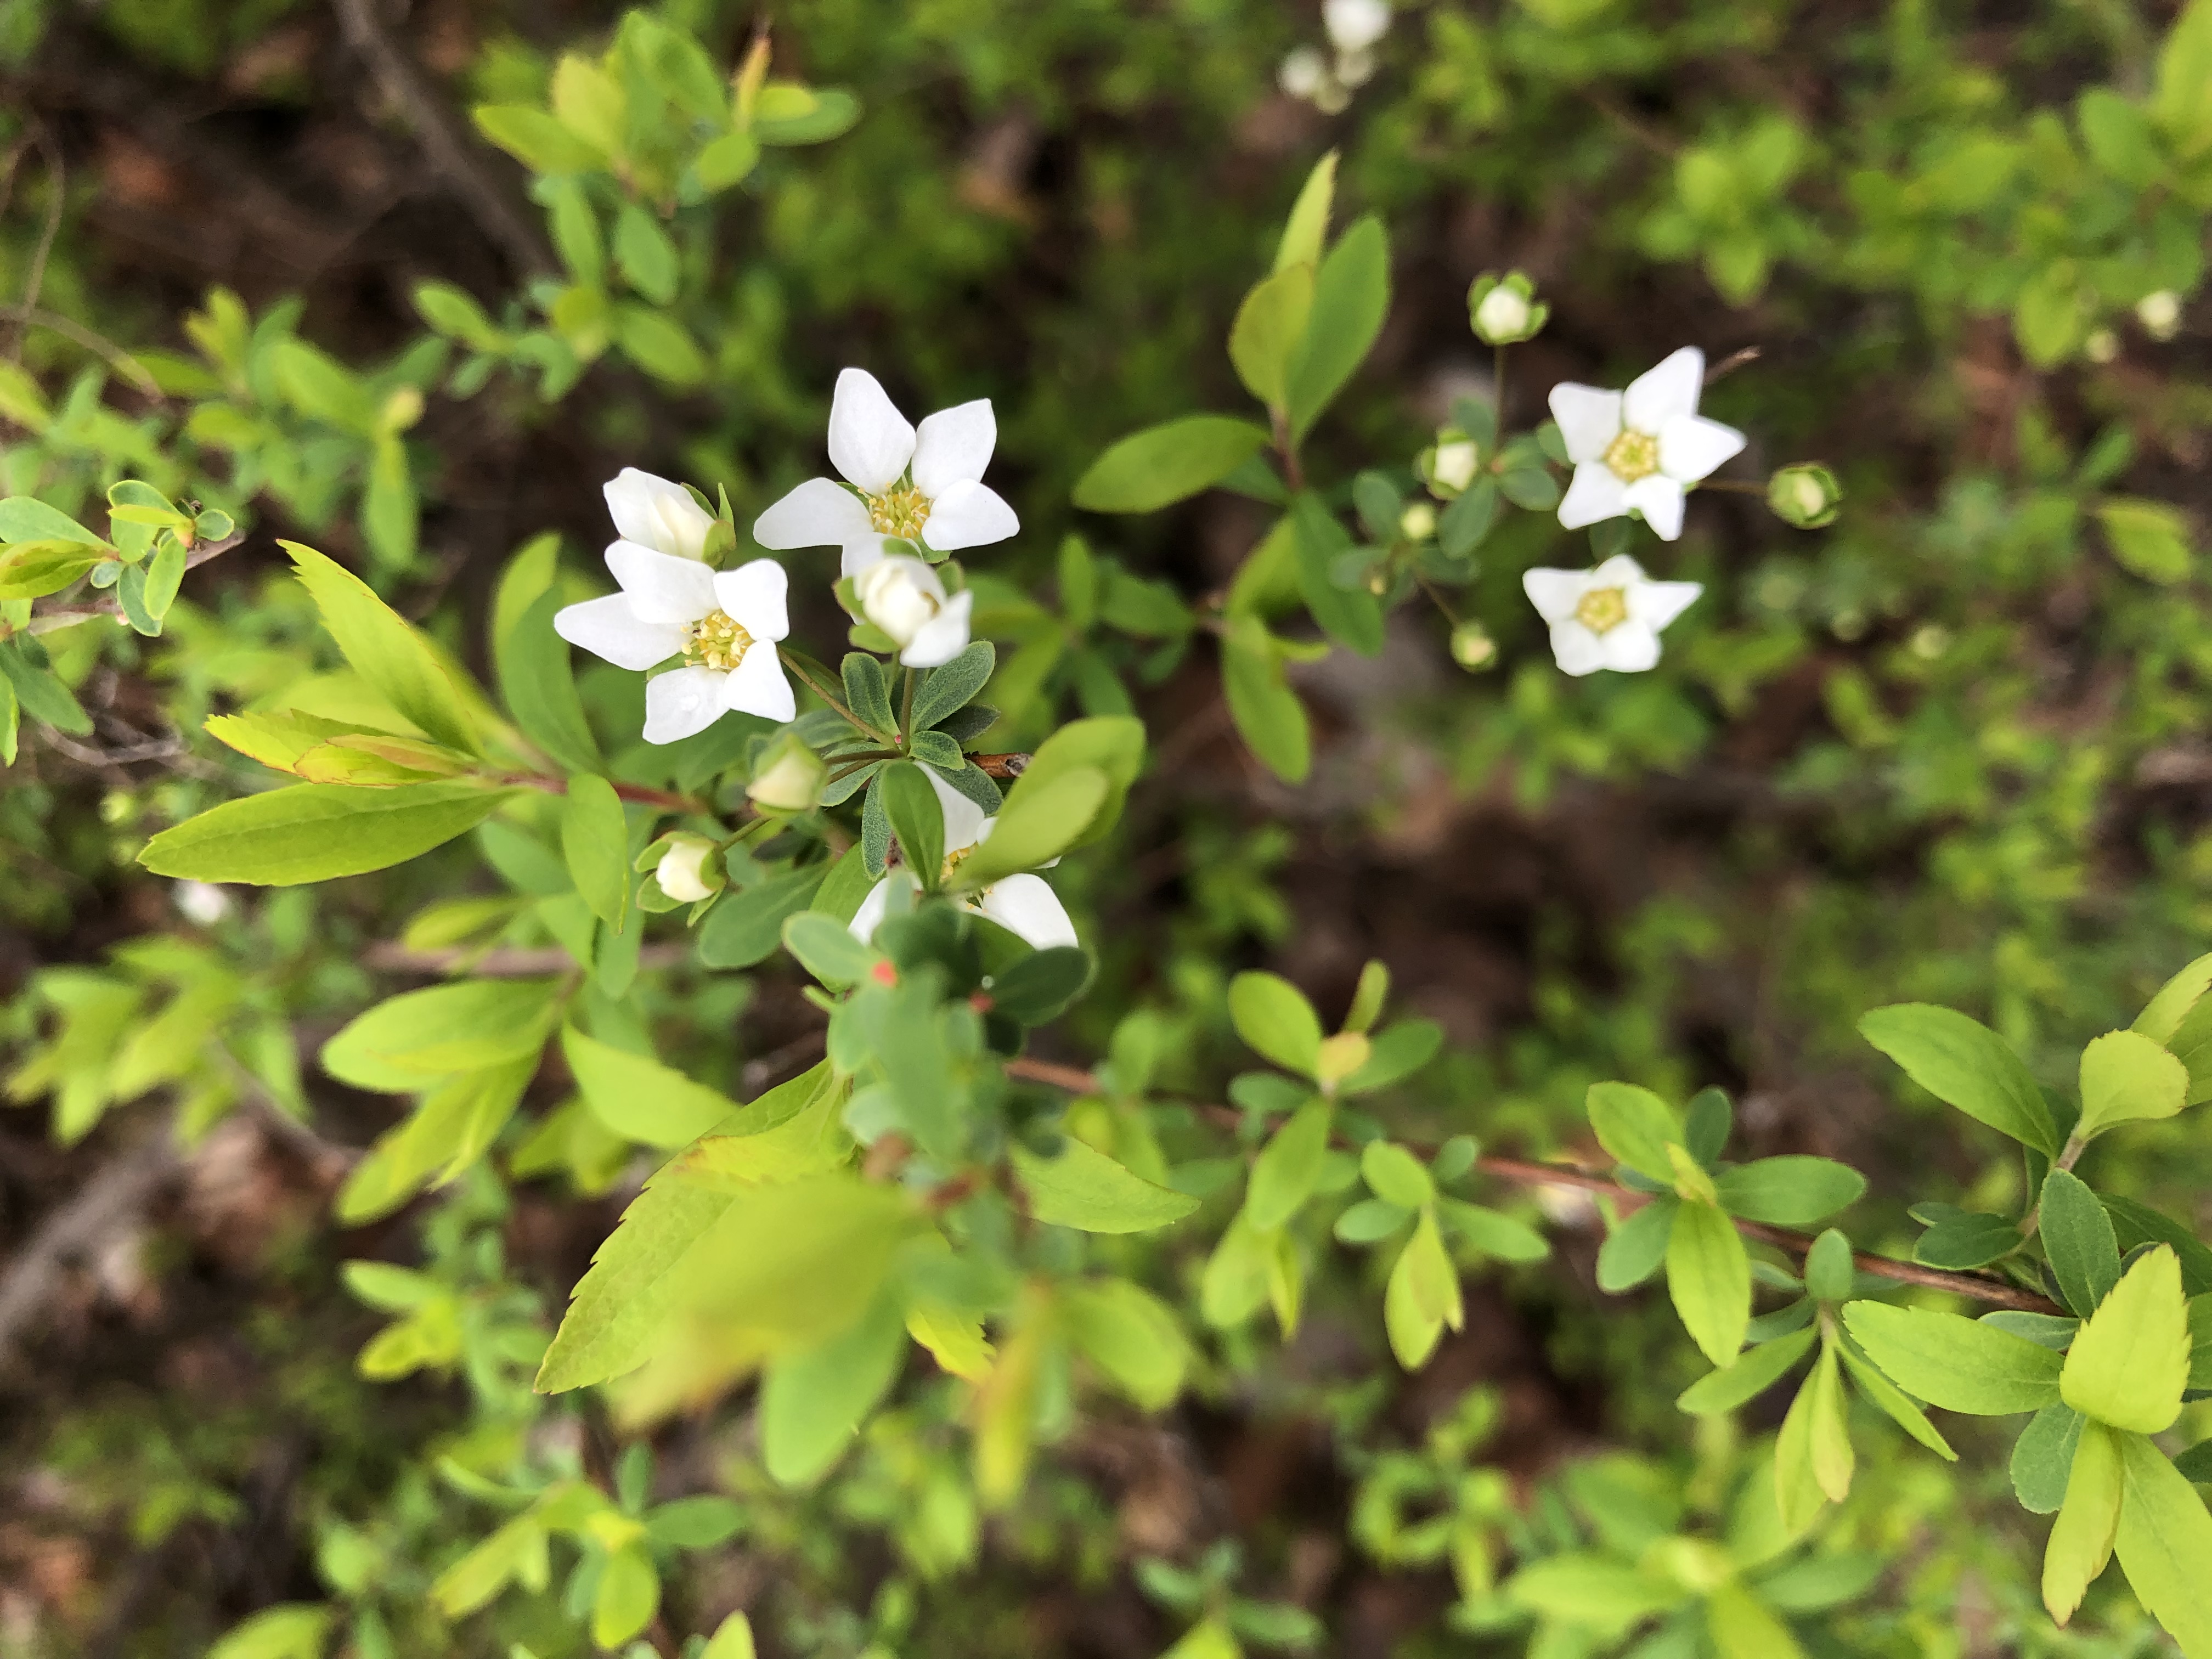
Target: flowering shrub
[[816, 1168]]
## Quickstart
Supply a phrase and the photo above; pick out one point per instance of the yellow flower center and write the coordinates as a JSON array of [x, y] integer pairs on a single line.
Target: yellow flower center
[[898, 513], [953, 860], [1633, 455], [715, 642], [1602, 610]]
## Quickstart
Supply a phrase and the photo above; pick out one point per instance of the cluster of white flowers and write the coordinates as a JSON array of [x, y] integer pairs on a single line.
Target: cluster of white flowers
[[1328, 80], [903, 487], [1634, 451]]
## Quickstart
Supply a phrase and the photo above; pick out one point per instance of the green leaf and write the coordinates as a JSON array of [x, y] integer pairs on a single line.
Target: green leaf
[[637, 1097], [2138, 1224], [1289, 1167], [1083, 1189], [915, 818], [1351, 294], [418, 1038], [1274, 1018], [2081, 1538], [1111, 744], [951, 687], [644, 254], [31, 570], [539, 687], [316, 832], [1422, 1297], [745, 927], [595, 844], [2079, 1241], [1791, 1191], [1306, 231], [1830, 1271], [1270, 327], [1607, 1597], [27, 519], [1039, 987], [386, 650], [322, 388], [1267, 712], [1353, 618], [534, 137], [1753, 1373], [290, 1630], [1492, 1233], [1394, 1054], [1636, 1246], [1132, 1336], [1741, 1627], [1037, 824], [1709, 1277], [1395, 1175], [660, 345], [1961, 1241], [165, 575], [694, 1523], [1884, 1395], [813, 1401], [2182, 102], [2147, 538], [1635, 1127], [1163, 464], [2164, 1539], [1965, 1064], [2127, 1077], [2043, 1457], [629, 1596], [1957, 1363], [454, 1125], [826, 949], [2130, 1362], [2162, 1015]]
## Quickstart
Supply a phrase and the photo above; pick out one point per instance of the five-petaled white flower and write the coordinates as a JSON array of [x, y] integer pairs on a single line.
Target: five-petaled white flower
[[907, 599], [657, 515], [724, 624], [1636, 450], [923, 486], [1608, 618], [1025, 906]]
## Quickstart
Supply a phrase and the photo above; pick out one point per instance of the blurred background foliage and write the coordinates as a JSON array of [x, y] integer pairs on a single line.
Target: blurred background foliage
[[1950, 748]]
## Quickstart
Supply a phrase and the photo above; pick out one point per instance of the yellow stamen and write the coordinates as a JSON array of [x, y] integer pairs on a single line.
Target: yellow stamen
[[1633, 455], [1602, 610], [716, 641], [898, 513], [953, 860]]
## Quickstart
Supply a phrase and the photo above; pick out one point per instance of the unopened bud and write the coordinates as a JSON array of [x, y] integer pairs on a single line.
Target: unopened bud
[[2159, 313], [1418, 522], [2102, 346], [1806, 496], [683, 872], [402, 408], [788, 777], [1448, 465], [1505, 310], [1472, 648]]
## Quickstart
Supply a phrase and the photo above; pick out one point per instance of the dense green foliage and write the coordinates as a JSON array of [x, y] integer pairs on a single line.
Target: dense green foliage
[[686, 1195]]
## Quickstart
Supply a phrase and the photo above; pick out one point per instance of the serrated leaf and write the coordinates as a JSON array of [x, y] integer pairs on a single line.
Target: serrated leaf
[[1957, 1363], [2128, 1078], [2130, 1361], [1965, 1064], [386, 650], [2164, 1543], [637, 1097], [1083, 1189], [1753, 1372]]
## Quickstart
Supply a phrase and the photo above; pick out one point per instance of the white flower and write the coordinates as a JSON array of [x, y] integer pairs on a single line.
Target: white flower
[[724, 624], [940, 502], [1636, 450], [657, 515], [202, 901], [905, 598], [1355, 25], [682, 870], [1503, 313], [1354, 68], [1025, 906], [1608, 618], [2159, 313], [1303, 72]]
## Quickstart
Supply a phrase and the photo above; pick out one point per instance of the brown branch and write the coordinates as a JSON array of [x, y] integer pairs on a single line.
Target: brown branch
[[1978, 1287], [1001, 766], [442, 141], [113, 1198]]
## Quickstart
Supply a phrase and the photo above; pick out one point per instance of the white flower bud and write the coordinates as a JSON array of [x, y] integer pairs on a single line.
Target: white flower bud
[[1455, 463], [682, 870], [2159, 313], [1303, 72], [2102, 346], [1418, 522], [789, 778], [656, 514], [1503, 314], [905, 598], [1355, 25], [202, 901]]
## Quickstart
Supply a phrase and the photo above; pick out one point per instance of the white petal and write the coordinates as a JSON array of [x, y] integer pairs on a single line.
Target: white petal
[[661, 588], [1630, 648], [1589, 419], [944, 636], [818, 513], [1619, 571], [1658, 395], [608, 627], [1656, 603], [752, 597], [860, 554], [757, 685], [870, 915], [1555, 592], [964, 822], [1659, 499], [1690, 446], [1594, 494], [656, 514], [954, 446], [1026, 906], [870, 441], [1576, 649], [681, 702], [969, 515]]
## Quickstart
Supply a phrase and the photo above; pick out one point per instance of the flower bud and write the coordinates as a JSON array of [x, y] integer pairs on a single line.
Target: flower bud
[[1472, 648], [1806, 496], [2159, 313], [2102, 345], [907, 600], [1418, 522], [788, 777], [1448, 465], [1505, 311], [202, 901], [683, 872], [1303, 73], [1353, 26]]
